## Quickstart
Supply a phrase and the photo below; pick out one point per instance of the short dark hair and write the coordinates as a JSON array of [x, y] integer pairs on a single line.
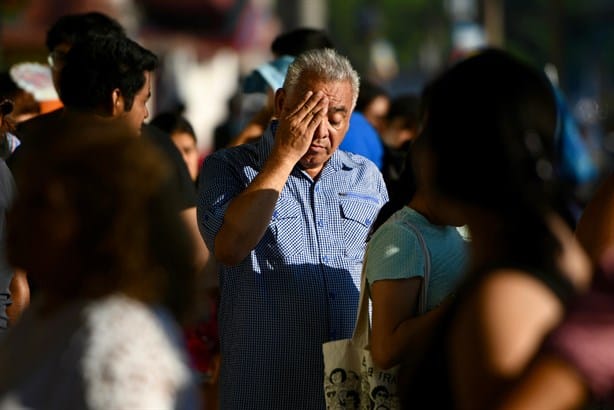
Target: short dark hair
[[72, 27], [98, 65]]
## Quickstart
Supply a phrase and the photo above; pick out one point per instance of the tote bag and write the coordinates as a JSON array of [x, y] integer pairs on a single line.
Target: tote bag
[[351, 379]]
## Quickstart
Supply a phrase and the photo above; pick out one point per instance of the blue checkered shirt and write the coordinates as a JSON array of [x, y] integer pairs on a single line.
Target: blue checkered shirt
[[299, 287]]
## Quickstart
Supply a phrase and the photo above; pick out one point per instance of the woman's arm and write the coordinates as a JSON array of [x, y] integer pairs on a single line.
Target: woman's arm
[[397, 332], [551, 383]]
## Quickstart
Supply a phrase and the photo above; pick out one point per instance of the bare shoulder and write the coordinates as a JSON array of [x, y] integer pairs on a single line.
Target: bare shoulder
[[506, 319]]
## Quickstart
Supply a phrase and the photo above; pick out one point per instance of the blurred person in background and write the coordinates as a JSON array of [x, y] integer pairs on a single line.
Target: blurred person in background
[[367, 123], [25, 105], [575, 366], [105, 82], [99, 234], [489, 145], [402, 127], [374, 103], [202, 334], [14, 287], [61, 36], [88, 29], [362, 138], [417, 247], [182, 133], [71, 28], [59, 39]]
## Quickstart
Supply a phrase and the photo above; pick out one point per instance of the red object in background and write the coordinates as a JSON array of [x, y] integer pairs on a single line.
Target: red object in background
[[203, 343]]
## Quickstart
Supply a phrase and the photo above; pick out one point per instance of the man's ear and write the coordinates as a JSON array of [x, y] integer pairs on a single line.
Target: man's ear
[[280, 98], [118, 102]]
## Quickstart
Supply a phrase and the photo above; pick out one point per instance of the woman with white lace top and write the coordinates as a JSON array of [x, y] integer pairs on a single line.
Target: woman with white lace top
[[95, 228]]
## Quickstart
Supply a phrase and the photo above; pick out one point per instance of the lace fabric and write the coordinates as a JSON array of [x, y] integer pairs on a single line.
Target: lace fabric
[[110, 353], [130, 363]]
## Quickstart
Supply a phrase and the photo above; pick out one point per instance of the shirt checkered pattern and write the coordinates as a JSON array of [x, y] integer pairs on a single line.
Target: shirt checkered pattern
[[299, 287]]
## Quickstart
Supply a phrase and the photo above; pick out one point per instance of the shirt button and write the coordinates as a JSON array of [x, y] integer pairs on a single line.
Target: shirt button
[[368, 222], [321, 223], [325, 258]]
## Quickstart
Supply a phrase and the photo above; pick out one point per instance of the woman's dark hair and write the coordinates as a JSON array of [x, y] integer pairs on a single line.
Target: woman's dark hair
[[399, 193], [489, 131]]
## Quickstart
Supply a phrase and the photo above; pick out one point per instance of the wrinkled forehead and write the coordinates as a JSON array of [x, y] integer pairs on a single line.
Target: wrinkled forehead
[[339, 92]]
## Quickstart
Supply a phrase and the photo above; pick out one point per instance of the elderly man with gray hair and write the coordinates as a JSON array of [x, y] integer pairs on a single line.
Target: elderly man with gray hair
[[287, 218]]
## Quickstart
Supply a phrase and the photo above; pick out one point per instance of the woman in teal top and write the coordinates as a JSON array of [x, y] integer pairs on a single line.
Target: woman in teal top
[[395, 267]]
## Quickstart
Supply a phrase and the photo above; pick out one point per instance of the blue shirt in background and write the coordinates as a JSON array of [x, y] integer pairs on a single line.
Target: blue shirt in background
[[363, 139]]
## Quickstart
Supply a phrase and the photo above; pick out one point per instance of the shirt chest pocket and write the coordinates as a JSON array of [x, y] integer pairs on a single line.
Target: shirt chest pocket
[[288, 229], [357, 217]]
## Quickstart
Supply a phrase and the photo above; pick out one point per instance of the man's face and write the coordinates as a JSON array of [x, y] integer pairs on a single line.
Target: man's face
[[135, 117], [330, 133]]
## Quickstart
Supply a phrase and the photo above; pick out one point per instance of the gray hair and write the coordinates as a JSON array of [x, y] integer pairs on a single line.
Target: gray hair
[[328, 65]]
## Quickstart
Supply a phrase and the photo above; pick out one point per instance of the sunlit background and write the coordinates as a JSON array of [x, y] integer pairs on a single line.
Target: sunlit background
[[208, 46]]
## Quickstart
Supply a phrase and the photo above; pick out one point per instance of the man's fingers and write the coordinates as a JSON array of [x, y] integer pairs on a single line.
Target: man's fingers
[[321, 108], [302, 107], [309, 106]]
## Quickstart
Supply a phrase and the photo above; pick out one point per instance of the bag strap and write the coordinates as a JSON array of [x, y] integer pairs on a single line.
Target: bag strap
[[362, 328], [422, 301]]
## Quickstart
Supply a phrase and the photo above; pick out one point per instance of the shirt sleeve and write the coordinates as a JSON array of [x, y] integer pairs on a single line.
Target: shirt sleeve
[[219, 184], [394, 252]]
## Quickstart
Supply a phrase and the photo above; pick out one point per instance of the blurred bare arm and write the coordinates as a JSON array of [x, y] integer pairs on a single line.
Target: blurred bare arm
[[551, 384], [397, 332]]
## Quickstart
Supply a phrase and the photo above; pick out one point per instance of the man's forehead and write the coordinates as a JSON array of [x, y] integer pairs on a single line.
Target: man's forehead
[[336, 90]]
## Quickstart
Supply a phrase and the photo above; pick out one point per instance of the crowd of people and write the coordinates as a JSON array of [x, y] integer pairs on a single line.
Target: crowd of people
[[134, 274]]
